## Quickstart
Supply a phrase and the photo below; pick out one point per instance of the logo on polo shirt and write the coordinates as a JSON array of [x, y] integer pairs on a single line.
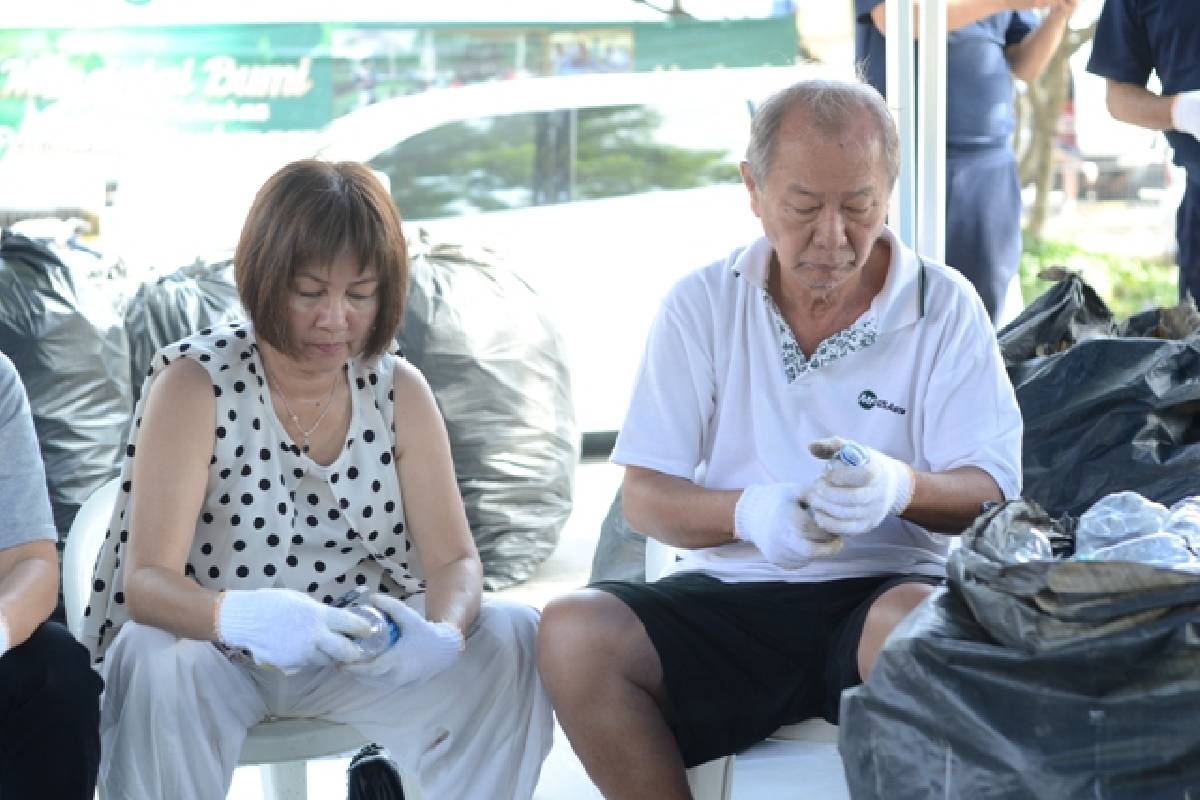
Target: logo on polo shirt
[[869, 400]]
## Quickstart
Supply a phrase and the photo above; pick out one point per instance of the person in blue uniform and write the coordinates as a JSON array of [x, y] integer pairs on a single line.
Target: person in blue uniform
[[1134, 38], [988, 43]]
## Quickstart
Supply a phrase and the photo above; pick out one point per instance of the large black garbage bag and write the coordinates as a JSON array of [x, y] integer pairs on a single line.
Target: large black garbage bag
[[1045, 679], [197, 296], [1102, 412], [498, 370], [68, 344], [620, 551]]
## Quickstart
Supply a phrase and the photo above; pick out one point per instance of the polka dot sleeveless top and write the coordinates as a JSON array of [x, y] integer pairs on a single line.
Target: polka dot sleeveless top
[[271, 516]]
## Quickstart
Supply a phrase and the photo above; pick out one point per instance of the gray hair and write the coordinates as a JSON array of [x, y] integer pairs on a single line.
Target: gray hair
[[829, 105]]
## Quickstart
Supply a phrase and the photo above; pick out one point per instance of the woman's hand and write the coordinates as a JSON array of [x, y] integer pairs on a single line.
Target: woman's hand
[[424, 649], [287, 629]]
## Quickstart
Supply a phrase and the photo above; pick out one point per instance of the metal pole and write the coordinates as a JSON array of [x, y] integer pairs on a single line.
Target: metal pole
[[931, 132], [901, 87]]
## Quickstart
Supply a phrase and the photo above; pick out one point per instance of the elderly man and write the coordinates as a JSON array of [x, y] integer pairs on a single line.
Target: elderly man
[[800, 552], [49, 695]]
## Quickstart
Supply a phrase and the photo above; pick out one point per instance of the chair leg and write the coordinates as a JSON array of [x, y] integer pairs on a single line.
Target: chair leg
[[412, 791], [285, 781], [712, 780]]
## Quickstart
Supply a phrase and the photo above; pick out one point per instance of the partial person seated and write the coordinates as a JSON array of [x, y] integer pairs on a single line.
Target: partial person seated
[[49, 694]]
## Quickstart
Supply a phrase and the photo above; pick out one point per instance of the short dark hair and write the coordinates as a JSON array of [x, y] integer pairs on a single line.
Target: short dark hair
[[310, 213], [828, 104]]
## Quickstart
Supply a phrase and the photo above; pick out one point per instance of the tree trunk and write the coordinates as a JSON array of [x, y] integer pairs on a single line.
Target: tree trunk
[[1041, 107]]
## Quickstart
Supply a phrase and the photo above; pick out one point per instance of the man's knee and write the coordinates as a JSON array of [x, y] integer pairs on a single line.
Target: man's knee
[[51, 671], [589, 632], [888, 610]]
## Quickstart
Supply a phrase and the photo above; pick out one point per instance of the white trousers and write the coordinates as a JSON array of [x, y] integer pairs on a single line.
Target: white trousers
[[175, 713]]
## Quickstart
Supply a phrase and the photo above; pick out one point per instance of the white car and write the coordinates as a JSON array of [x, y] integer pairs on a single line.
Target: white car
[[599, 190]]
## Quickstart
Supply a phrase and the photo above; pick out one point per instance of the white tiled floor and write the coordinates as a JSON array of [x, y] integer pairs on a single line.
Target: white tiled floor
[[776, 770]]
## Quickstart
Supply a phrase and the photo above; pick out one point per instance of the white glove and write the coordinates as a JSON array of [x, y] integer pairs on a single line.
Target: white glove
[[287, 629], [771, 517], [4, 643], [423, 650], [849, 500], [1185, 112]]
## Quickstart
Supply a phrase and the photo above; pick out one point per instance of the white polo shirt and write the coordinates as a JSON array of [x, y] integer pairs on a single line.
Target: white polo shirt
[[725, 398]]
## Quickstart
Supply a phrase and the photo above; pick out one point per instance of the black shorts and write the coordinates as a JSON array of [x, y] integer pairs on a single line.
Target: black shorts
[[741, 659]]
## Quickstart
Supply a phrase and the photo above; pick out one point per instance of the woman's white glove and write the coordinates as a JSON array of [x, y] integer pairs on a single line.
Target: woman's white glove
[[772, 517], [1185, 112], [852, 499], [424, 648], [287, 629]]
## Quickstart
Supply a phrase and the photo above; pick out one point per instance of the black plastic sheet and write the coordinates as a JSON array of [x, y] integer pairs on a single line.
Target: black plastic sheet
[[1051, 679], [1103, 412], [498, 369], [69, 346]]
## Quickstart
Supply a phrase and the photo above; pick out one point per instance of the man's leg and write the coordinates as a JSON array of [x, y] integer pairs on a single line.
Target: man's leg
[[605, 680], [50, 705], [1187, 235], [882, 618]]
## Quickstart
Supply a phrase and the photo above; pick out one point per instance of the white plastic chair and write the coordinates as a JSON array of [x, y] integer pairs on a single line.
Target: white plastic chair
[[281, 746], [713, 780]]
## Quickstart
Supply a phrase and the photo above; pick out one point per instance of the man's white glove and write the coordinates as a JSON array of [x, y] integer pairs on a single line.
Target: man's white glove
[[771, 517], [1185, 112], [287, 629], [424, 648], [4, 642], [853, 498]]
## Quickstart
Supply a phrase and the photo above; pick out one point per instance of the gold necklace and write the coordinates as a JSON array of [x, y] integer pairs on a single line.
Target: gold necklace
[[305, 435]]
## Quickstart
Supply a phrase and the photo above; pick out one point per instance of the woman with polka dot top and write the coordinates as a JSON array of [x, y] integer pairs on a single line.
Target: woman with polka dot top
[[273, 465]]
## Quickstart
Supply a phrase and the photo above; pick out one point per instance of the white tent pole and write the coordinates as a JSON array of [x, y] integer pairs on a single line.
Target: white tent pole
[[931, 132], [900, 91]]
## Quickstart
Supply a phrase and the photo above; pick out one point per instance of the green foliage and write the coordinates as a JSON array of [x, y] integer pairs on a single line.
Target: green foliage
[[512, 161], [1128, 285]]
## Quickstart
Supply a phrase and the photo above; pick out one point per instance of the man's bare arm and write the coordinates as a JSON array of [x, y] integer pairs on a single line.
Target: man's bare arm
[[676, 511], [950, 501], [959, 13], [1138, 105]]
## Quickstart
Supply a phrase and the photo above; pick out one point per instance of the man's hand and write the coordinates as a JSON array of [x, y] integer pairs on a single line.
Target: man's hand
[[772, 518], [853, 498], [1185, 112]]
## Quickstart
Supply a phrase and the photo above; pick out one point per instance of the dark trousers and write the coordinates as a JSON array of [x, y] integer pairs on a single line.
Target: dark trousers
[[49, 719], [1187, 234]]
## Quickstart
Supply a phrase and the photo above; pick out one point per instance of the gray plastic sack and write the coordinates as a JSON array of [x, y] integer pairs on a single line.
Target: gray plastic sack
[[1051, 679], [69, 346], [498, 369], [197, 296]]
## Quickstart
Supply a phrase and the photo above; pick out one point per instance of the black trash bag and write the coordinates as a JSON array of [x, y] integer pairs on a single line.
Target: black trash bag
[[1045, 679], [498, 369], [68, 344], [197, 296], [1068, 312], [621, 551], [1103, 413], [372, 775]]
